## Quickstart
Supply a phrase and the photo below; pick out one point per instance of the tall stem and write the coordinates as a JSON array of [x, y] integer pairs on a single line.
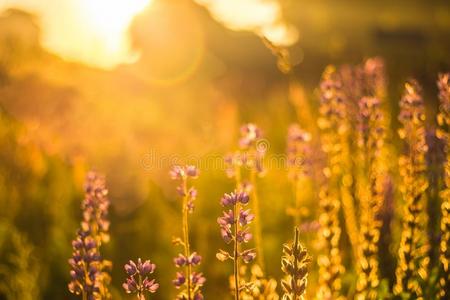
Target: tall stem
[[297, 201], [257, 220], [295, 248], [236, 254], [186, 236], [84, 295], [140, 294], [346, 195]]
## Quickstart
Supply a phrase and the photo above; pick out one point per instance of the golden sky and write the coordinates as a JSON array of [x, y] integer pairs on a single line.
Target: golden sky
[[96, 31]]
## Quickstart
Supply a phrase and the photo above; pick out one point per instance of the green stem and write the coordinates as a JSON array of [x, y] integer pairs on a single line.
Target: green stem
[[257, 220], [297, 202], [186, 237], [295, 249], [236, 255], [140, 294], [237, 172]]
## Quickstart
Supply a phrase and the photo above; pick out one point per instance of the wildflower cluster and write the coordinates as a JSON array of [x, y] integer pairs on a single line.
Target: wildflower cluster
[[190, 280], [88, 268], [363, 80], [443, 133], [335, 124], [356, 189], [245, 165], [374, 78], [294, 263], [298, 152], [299, 165], [138, 282], [250, 155], [234, 228], [333, 113], [371, 194], [413, 261]]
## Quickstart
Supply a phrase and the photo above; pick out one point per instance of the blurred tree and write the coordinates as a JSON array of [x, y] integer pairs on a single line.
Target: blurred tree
[[20, 37]]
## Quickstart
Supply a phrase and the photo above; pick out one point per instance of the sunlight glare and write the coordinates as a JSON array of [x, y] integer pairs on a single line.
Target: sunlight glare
[[109, 21], [88, 31], [263, 17]]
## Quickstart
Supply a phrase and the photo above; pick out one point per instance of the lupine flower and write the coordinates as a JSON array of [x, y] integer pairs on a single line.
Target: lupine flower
[[365, 81], [138, 282], [375, 78], [250, 133], [299, 165], [371, 135], [191, 281], [444, 134], [413, 260], [294, 263], [250, 156], [179, 280], [245, 165], [234, 228], [298, 151], [334, 129], [89, 271], [245, 217]]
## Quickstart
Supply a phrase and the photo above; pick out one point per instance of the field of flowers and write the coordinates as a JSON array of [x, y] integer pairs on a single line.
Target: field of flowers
[[353, 171], [208, 171]]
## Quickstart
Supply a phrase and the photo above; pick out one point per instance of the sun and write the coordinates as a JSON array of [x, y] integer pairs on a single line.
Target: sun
[[108, 22]]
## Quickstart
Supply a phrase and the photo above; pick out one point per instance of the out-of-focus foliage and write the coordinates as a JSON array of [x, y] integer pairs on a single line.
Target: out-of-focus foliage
[[19, 270]]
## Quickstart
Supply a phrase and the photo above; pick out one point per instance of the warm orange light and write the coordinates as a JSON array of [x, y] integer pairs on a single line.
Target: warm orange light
[[264, 17], [108, 21], [88, 31]]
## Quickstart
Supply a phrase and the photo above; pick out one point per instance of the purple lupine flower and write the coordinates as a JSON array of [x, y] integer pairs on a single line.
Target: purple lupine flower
[[131, 268], [234, 197], [182, 174], [243, 198], [234, 228], [180, 261], [192, 171], [375, 77], [194, 259], [243, 236], [88, 273], [191, 195], [248, 255], [150, 285], [252, 149], [226, 234], [250, 133], [298, 151], [179, 280], [245, 217], [228, 199], [177, 172], [187, 260], [226, 219], [138, 282], [198, 279], [130, 285]]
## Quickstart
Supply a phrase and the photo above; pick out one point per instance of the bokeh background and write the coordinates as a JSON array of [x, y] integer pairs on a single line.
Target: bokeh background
[[84, 87]]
